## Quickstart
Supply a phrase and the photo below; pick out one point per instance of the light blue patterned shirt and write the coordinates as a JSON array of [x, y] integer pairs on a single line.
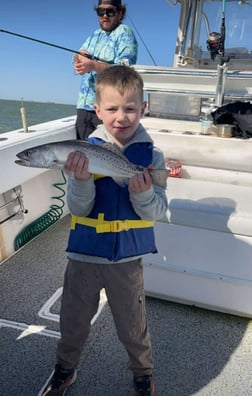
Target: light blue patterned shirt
[[112, 46]]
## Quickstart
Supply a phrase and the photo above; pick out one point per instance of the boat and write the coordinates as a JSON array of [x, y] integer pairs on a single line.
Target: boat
[[205, 241]]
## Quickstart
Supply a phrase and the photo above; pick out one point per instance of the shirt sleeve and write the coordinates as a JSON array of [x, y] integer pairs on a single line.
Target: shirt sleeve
[[126, 46], [151, 204], [80, 196]]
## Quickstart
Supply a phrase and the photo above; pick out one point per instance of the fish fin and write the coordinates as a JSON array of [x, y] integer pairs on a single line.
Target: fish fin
[[57, 164], [113, 149], [159, 176], [121, 181]]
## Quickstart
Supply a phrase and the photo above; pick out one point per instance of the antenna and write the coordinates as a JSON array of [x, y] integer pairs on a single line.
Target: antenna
[[145, 46]]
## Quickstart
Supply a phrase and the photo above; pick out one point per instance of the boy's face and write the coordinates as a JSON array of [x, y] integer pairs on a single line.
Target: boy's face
[[120, 113]]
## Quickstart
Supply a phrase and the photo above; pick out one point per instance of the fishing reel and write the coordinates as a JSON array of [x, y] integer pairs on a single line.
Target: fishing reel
[[215, 44]]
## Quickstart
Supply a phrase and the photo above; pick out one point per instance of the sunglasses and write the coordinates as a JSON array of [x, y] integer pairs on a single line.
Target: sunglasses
[[110, 12]]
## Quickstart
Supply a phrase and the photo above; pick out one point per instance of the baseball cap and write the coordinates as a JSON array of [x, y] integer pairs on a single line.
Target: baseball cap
[[114, 3]]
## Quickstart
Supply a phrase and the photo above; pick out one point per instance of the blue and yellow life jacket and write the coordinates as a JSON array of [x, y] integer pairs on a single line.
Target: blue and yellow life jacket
[[113, 229]]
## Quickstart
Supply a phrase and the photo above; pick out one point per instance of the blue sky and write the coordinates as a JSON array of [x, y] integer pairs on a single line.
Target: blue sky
[[42, 73]]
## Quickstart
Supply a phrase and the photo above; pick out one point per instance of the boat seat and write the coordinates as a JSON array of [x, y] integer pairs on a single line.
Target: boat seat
[[210, 205]]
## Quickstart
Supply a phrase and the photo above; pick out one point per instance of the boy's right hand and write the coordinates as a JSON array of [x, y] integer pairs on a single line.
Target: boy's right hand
[[77, 165]]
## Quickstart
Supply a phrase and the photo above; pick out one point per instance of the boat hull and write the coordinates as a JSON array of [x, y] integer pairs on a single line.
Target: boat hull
[[205, 240], [31, 199], [205, 268]]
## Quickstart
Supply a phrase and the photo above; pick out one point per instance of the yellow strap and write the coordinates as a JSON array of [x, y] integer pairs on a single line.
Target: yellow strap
[[96, 176], [102, 225]]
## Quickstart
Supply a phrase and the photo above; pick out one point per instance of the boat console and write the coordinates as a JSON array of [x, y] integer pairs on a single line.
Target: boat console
[[205, 241]]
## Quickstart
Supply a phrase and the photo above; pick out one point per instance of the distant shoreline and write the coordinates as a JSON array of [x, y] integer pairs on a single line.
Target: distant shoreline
[[36, 101], [36, 112]]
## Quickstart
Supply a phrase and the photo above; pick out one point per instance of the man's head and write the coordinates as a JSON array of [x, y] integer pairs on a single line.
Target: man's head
[[110, 13]]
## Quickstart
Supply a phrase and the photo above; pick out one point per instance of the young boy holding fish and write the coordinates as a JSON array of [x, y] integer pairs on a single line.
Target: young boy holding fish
[[111, 229]]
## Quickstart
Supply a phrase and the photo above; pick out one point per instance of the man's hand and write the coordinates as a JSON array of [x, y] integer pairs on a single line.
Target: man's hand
[[82, 64]]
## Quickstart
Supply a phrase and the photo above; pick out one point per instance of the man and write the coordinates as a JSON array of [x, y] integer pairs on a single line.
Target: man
[[113, 43]]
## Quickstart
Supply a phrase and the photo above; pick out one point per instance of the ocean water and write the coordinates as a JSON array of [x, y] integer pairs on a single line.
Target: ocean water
[[36, 112]]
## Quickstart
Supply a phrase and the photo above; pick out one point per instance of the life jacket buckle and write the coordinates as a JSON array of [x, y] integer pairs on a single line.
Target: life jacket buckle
[[119, 225]]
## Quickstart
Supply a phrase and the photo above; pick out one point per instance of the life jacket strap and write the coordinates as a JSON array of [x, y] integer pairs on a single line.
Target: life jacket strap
[[102, 225]]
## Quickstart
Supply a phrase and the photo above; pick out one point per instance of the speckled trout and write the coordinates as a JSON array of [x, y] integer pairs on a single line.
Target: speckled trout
[[104, 159]]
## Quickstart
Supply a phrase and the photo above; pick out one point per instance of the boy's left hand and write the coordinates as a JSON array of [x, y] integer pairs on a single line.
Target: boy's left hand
[[140, 182]]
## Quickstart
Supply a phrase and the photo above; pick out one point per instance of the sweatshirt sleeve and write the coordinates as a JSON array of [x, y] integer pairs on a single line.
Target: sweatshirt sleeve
[[80, 196], [151, 204]]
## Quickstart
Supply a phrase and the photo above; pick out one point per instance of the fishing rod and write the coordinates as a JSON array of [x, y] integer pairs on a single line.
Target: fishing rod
[[92, 57], [216, 40], [145, 46]]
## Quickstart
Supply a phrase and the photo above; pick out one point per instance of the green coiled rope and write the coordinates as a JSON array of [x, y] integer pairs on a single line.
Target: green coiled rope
[[43, 222]]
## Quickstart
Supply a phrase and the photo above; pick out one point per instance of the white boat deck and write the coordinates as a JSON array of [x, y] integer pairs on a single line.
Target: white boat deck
[[196, 351]]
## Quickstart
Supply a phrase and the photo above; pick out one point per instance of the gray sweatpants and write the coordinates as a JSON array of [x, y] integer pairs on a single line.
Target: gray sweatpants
[[123, 283]]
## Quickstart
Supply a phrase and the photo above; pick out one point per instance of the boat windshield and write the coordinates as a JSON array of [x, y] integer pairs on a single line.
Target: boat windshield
[[203, 25], [238, 22]]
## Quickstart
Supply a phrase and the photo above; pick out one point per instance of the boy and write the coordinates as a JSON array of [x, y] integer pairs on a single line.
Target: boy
[[111, 260]]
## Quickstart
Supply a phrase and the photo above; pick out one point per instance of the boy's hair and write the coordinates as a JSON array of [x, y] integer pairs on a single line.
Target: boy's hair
[[121, 78]]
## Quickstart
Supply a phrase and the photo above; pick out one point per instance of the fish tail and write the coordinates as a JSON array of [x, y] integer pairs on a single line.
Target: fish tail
[[159, 176]]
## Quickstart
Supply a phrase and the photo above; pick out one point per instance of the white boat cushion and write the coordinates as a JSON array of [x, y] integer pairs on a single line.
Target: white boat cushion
[[210, 205]]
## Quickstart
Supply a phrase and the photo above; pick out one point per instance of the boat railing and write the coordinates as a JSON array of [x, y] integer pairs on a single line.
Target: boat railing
[[202, 84], [206, 94]]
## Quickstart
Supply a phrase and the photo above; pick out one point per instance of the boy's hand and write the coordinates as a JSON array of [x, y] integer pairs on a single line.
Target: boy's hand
[[77, 164], [140, 182]]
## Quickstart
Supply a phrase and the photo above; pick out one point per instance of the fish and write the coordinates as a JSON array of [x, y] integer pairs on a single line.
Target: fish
[[104, 159]]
